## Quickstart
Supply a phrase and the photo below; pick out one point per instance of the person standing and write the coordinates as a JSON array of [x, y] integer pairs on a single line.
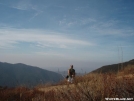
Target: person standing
[[71, 74]]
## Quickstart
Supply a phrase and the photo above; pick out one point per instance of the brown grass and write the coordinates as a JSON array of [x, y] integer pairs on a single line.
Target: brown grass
[[91, 87]]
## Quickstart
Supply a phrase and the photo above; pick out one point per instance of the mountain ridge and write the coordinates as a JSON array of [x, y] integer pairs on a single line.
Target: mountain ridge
[[113, 67], [22, 74]]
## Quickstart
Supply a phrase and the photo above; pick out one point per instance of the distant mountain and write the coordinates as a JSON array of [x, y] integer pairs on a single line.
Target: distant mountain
[[20, 74], [113, 67]]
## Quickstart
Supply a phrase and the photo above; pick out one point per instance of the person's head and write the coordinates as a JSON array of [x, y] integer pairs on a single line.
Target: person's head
[[71, 66]]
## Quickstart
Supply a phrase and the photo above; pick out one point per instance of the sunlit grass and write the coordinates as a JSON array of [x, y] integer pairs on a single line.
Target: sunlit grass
[[91, 87]]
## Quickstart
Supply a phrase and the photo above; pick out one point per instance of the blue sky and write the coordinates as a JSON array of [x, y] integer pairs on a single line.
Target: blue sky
[[54, 34]]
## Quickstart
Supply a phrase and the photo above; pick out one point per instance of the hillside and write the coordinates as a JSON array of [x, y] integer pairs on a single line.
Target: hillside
[[93, 87], [20, 74], [114, 67]]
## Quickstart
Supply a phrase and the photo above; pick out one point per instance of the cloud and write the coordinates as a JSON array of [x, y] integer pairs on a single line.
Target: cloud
[[50, 54], [22, 5], [72, 22], [26, 5], [11, 37], [36, 14], [98, 26], [111, 28]]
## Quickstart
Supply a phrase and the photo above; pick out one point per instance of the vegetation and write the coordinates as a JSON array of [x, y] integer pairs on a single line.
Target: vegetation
[[91, 87], [114, 67]]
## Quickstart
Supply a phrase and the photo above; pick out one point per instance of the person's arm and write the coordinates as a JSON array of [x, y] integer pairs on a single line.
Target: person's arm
[[74, 73], [68, 72]]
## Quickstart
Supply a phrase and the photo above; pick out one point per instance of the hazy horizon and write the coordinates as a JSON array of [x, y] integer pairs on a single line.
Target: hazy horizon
[[55, 34]]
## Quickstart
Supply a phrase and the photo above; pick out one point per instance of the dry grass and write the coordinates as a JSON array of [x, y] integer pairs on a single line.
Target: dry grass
[[92, 87]]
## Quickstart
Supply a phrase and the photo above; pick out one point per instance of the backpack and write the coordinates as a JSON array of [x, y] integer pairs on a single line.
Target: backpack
[[67, 77]]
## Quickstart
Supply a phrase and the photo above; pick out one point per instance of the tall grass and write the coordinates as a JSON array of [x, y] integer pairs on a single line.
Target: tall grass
[[91, 87]]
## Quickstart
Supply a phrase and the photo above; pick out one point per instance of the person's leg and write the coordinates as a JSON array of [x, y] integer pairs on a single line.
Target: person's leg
[[69, 79]]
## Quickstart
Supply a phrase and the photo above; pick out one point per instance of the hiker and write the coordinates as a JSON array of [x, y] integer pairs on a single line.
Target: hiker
[[71, 74]]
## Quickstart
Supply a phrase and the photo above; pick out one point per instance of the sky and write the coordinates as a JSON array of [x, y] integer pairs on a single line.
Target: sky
[[54, 34]]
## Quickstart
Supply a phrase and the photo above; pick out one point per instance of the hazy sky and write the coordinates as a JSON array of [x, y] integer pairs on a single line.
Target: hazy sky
[[54, 34]]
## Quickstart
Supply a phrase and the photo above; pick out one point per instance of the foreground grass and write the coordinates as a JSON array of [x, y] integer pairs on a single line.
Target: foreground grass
[[91, 87]]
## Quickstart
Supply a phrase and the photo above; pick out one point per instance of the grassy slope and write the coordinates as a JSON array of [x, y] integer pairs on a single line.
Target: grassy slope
[[114, 67], [91, 87]]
